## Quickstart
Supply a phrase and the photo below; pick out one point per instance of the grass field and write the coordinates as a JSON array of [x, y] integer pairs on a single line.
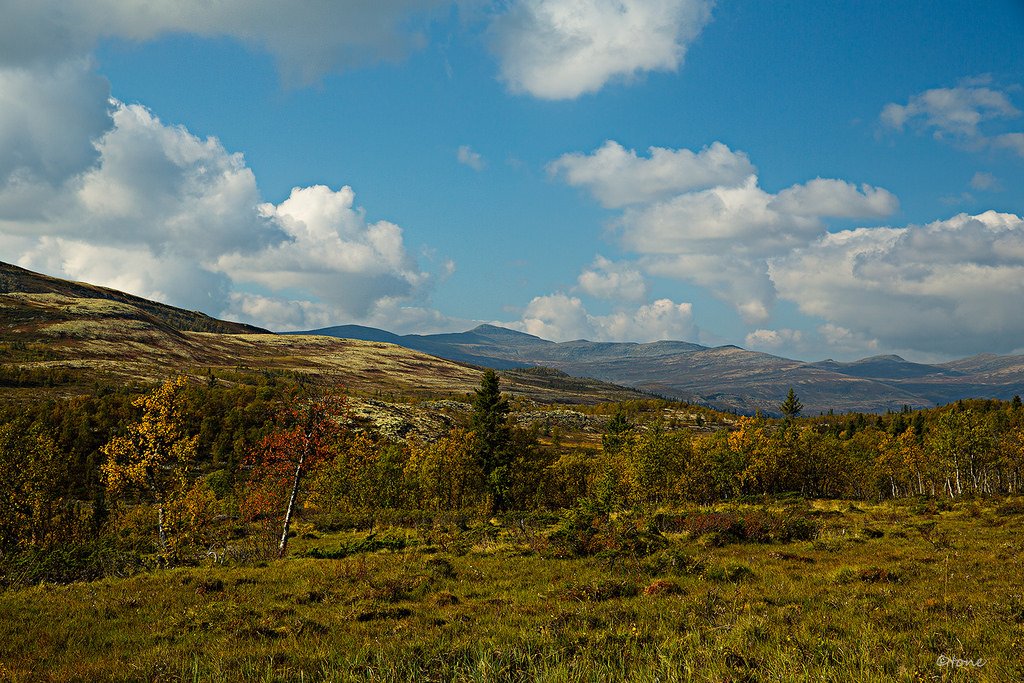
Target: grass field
[[895, 592]]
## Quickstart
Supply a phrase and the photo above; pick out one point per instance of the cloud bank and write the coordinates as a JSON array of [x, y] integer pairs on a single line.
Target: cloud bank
[[947, 287], [560, 317], [702, 216], [105, 192]]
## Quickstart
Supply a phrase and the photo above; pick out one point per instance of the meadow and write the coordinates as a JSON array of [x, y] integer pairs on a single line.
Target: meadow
[[905, 590]]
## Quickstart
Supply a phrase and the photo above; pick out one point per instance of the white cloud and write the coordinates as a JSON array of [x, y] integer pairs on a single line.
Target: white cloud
[[163, 188], [559, 317], [1011, 141], [835, 198], [606, 279], [702, 217], [332, 254], [750, 220], [950, 111], [774, 340], [156, 211], [467, 157], [721, 238], [947, 287], [617, 177], [561, 49], [958, 115], [308, 38], [167, 277], [843, 341]]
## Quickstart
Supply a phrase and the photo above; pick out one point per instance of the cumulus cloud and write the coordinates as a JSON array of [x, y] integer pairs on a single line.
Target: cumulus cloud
[[332, 254], [948, 287], [467, 157], [845, 341], [958, 115], [750, 219], [836, 199], [702, 217], [156, 211], [49, 120], [560, 317], [163, 188], [1010, 141], [721, 238], [155, 205], [308, 39], [606, 279], [561, 49], [618, 177], [168, 277]]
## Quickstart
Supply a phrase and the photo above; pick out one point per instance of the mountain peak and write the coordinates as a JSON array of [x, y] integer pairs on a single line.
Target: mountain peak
[[495, 331]]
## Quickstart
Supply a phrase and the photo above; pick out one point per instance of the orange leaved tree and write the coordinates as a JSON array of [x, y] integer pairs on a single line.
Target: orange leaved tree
[[306, 434]]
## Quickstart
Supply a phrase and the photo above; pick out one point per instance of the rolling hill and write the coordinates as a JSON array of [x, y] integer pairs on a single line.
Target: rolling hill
[[60, 336]]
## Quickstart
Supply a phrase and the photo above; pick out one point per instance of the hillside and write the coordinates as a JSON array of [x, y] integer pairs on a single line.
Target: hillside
[[62, 336], [728, 377], [18, 280]]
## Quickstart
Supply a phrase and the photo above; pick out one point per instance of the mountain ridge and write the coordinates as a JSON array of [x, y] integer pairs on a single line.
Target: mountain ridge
[[732, 378]]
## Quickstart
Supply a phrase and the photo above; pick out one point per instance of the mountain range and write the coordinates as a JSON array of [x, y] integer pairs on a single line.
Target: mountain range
[[52, 327], [724, 377], [59, 337]]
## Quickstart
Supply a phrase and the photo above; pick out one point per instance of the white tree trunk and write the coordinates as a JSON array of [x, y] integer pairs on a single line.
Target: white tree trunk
[[283, 545]]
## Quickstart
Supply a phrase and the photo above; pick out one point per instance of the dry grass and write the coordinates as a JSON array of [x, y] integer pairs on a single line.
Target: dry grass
[[855, 607], [102, 339]]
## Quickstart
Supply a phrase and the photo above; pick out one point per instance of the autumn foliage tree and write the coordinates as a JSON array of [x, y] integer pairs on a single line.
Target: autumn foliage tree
[[445, 474], [33, 509], [305, 437], [154, 454]]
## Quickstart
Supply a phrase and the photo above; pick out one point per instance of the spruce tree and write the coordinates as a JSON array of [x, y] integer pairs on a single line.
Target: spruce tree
[[792, 406], [493, 437]]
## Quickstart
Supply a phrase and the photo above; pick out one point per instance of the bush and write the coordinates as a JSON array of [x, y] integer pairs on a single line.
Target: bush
[[1011, 507], [371, 543], [730, 573], [88, 561], [675, 561], [586, 532], [756, 526]]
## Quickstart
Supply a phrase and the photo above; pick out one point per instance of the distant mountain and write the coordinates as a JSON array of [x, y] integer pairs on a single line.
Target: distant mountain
[[726, 377], [886, 368]]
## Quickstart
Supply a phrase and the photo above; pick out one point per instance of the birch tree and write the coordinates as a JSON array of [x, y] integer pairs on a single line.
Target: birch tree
[[155, 452]]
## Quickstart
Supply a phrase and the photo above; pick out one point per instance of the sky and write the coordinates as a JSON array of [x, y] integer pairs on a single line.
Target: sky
[[810, 179]]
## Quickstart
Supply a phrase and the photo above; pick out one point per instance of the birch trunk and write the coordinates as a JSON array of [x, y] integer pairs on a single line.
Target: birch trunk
[[283, 545]]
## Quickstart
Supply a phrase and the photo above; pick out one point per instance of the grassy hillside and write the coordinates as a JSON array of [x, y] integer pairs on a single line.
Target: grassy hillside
[[64, 344], [18, 280]]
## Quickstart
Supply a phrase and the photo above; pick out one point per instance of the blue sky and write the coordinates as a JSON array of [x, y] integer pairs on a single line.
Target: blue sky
[[810, 179]]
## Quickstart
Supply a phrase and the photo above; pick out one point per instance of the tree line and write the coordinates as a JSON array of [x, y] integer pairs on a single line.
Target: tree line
[[195, 467]]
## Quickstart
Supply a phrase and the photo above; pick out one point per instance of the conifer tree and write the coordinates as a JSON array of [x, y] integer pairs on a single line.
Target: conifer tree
[[493, 437], [792, 406]]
